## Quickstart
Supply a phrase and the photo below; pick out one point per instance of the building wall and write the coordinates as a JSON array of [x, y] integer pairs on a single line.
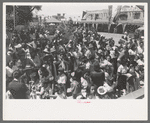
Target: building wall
[[96, 16], [133, 17]]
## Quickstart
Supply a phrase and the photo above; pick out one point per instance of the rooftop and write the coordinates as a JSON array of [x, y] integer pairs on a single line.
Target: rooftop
[[130, 8], [52, 20]]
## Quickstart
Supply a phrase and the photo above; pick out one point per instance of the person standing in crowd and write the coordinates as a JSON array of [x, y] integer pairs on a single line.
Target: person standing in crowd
[[72, 67], [16, 89], [97, 76], [62, 79]]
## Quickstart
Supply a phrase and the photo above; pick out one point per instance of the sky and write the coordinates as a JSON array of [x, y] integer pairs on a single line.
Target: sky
[[73, 10]]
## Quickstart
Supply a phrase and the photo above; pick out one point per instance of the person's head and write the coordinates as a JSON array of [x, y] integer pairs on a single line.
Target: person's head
[[23, 79], [59, 89], [131, 58], [16, 74], [123, 60], [133, 47], [47, 58], [84, 92], [111, 43], [33, 75], [107, 52], [60, 70], [91, 47], [69, 55], [96, 66], [84, 83], [43, 71], [122, 37], [128, 45], [141, 56], [33, 53], [124, 47], [83, 50], [21, 55], [107, 69], [108, 58], [10, 64], [92, 89], [19, 63], [78, 74], [91, 57], [141, 43]]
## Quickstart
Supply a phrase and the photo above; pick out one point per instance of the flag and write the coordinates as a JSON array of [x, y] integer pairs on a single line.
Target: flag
[[83, 14]]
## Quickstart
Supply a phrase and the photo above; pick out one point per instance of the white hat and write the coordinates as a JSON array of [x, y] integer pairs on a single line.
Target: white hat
[[30, 45], [46, 50], [18, 46], [101, 90], [9, 52]]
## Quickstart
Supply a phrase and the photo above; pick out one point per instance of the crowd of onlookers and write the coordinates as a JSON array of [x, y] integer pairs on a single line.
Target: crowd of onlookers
[[89, 66]]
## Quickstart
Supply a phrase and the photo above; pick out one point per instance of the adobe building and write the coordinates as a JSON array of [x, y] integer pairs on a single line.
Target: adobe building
[[98, 19], [128, 18]]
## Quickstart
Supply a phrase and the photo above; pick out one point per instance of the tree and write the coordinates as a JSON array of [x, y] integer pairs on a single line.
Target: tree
[[23, 14], [67, 30], [9, 10]]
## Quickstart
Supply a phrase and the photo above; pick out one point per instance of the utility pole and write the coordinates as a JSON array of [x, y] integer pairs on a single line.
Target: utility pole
[[14, 13]]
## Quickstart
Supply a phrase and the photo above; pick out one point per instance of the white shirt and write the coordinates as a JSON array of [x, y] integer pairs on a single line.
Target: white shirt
[[87, 66], [131, 52], [9, 71], [140, 62], [122, 69], [88, 53], [62, 79], [104, 63], [139, 50], [112, 54]]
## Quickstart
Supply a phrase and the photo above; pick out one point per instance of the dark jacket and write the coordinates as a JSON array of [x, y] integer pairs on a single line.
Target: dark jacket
[[17, 89], [98, 78]]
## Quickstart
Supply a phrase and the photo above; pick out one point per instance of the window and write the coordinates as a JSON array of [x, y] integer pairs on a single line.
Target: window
[[96, 16], [123, 17], [136, 15]]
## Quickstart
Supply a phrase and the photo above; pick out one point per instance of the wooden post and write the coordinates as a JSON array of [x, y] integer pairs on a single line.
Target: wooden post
[[14, 15]]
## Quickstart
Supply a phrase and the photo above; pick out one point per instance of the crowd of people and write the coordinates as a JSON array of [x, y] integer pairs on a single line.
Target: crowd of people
[[88, 66]]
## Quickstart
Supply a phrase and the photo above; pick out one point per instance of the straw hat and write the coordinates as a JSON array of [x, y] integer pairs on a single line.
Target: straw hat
[[101, 90], [46, 50], [52, 49]]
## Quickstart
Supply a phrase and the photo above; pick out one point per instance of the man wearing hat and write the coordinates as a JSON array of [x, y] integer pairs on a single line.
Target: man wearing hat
[[25, 61], [17, 89]]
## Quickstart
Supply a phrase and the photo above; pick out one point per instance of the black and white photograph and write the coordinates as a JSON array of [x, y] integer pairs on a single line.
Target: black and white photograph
[[75, 51]]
